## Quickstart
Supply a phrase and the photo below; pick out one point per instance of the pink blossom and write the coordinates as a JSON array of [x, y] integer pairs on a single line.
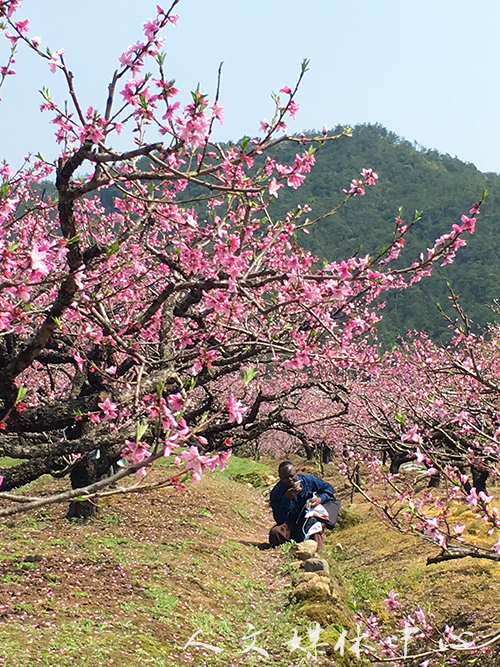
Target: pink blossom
[[287, 90], [218, 112], [1, 479], [150, 29], [7, 207], [472, 498], [126, 58], [168, 421], [194, 462], [391, 604], [23, 292], [274, 186], [80, 361], [432, 529], [109, 408], [486, 499], [22, 26], [223, 459], [169, 444], [12, 38], [449, 632], [469, 223], [55, 60], [176, 401], [344, 273], [355, 189], [8, 8], [136, 452], [412, 435], [293, 107], [264, 125], [295, 180], [37, 261], [419, 456], [95, 134], [496, 546], [370, 177], [236, 410]]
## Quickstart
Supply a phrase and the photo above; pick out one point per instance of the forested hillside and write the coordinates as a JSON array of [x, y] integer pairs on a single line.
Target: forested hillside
[[440, 186]]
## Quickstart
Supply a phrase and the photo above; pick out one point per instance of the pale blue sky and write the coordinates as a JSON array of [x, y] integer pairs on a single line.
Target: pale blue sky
[[428, 70]]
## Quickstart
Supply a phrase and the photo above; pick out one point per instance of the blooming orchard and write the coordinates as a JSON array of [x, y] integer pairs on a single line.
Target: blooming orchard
[[185, 316], [437, 410]]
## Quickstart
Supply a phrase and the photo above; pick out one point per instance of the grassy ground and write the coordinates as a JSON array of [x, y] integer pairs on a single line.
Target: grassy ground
[[133, 586]]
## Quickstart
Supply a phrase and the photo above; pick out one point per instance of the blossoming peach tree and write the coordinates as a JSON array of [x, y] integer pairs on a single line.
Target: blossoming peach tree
[[420, 441], [151, 330], [433, 413]]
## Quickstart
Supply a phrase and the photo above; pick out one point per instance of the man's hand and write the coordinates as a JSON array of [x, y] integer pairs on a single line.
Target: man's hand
[[315, 501], [294, 490]]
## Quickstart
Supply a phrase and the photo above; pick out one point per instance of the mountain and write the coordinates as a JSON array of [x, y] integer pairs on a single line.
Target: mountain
[[440, 186]]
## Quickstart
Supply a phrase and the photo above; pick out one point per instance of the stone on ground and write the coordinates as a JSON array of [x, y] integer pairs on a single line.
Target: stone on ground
[[316, 587], [304, 550], [315, 564]]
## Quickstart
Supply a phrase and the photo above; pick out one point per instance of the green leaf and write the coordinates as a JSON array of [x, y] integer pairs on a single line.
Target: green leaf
[[141, 430], [114, 247], [245, 143], [249, 374], [159, 389], [22, 392], [45, 93], [305, 65], [400, 417]]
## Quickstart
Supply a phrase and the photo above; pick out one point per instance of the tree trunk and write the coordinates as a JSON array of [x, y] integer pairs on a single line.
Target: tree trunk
[[83, 474]]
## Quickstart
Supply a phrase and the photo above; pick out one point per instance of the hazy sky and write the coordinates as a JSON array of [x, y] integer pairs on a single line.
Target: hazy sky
[[425, 69]]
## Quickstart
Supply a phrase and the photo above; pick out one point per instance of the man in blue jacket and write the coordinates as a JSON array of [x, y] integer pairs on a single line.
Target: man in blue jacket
[[288, 501]]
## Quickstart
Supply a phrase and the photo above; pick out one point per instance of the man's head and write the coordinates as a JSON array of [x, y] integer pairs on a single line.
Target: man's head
[[288, 474]]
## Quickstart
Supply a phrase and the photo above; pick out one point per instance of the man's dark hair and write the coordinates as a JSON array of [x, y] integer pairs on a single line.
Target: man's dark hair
[[285, 464]]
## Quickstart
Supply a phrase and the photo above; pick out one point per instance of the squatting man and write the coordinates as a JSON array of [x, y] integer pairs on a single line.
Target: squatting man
[[303, 506]]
